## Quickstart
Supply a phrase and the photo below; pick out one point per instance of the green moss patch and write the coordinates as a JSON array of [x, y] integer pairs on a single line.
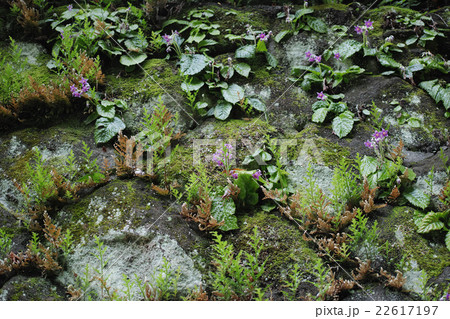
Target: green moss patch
[[156, 77]]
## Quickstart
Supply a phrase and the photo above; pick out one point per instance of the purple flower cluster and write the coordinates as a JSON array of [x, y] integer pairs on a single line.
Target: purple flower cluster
[[69, 7], [368, 25], [264, 37], [234, 174], [257, 174], [168, 39], [221, 157], [321, 96], [377, 137], [84, 88], [311, 57]]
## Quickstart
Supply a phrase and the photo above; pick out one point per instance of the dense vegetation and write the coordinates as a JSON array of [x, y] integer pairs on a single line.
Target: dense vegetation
[[251, 122]]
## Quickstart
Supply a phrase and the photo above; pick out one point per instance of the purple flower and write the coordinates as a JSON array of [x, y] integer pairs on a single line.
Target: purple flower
[[228, 146], [358, 29], [368, 24], [368, 144], [311, 59], [167, 39], [337, 56], [264, 37], [384, 133], [234, 174], [321, 96], [69, 7], [308, 54], [73, 88], [62, 35], [318, 58], [257, 174]]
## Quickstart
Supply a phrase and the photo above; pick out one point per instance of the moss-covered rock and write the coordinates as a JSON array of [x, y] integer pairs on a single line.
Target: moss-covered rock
[[31, 289], [424, 257], [283, 246]]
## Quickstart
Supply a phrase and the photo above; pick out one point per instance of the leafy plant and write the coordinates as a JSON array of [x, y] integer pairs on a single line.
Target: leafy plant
[[438, 93], [232, 280], [324, 75], [302, 19], [156, 136], [292, 283], [248, 195], [343, 121], [97, 27], [5, 243], [11, 78], [363, 239]]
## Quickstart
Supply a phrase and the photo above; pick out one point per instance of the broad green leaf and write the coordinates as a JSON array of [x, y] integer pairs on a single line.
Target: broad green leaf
[[411, 40], [196, 38], [136, 44], [214, 32], [388, 72], [368, 165], [430, 222], [233, 94], [242, 68], [132, 58], [343, 124], [193, 84], [388, 61], [417, 217], [108, 47], [224, 210], [417, 197], [222, 110], [317, 25], [437, 92], [106, 129], [245, 52], [206, 42], [261, 46], [370, 51], [69, 14], [248, 195], [414, 122], [302, 12], [191, 64], [338, 107], [319, 104], [256, 104], [227, 72], [106, 109], [281, 35], [349, 47], [271, 60], [320, 115]]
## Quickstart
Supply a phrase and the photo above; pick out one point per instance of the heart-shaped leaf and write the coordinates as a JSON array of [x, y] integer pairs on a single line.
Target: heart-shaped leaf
[[246, 52], [106, 129], [233, 94], [343, 124], [191, 64], [222, 110], [256, 104], [132, 58], [242, 68], [106, 109]]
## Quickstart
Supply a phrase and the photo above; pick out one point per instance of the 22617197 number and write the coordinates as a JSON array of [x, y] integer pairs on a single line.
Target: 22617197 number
[[406, 310]]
